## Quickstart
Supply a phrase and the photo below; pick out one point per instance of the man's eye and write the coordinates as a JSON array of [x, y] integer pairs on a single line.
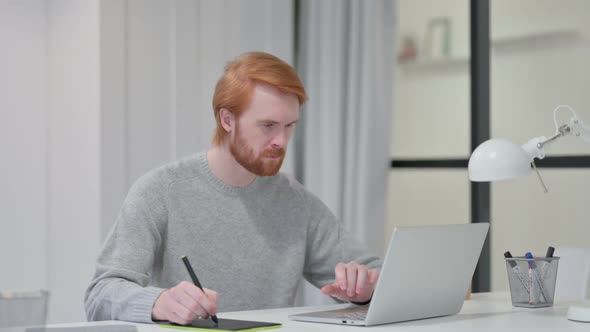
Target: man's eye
[[268, 125]]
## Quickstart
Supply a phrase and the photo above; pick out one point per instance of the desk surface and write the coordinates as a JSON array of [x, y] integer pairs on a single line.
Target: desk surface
[[487, 311]]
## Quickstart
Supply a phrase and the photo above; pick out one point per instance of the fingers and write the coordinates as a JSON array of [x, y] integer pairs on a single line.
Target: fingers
[[353, 282], [362, 279], [202, 302], [334, 290], [182, 315], [330, 289], [184, 303], [169, 306], [351, 274], [190, 300], [373, 276], [341, 279], [346, 277], [195, 301], [211, 296]]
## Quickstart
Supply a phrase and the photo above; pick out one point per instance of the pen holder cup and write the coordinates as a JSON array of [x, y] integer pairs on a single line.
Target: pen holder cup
[[19, 310], [532, 281]]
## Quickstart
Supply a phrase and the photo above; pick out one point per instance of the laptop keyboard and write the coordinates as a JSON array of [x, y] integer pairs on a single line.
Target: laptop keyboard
[[355, 315]]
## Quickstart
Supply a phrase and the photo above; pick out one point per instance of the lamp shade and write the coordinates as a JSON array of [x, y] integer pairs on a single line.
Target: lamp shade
[[498, 159]]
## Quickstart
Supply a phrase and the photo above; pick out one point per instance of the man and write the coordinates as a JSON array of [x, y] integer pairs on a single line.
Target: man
[[249, 231]]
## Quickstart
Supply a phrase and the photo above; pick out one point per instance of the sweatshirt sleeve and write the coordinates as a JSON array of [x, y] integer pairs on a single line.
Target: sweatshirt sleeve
[[329, 243], [119, 289]]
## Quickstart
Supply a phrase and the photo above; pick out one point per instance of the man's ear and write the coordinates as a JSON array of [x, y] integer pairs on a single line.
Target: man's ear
[[228, 120]]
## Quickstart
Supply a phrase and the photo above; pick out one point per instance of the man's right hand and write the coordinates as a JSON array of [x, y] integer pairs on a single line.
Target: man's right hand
[[184, 303]]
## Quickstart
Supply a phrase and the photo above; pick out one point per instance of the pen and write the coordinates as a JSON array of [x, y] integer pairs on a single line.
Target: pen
[[196, 282], [516, 271], [533, 269]]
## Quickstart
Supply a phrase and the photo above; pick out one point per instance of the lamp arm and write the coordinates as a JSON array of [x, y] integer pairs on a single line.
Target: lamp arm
[[535, 148], [564, 130], [580, 129], [575, 126]]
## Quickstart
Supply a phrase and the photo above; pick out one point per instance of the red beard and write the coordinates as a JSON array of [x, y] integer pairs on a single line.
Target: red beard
[[260, 165]]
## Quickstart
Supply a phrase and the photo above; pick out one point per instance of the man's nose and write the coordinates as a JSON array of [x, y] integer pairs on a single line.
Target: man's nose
[[280, 140]]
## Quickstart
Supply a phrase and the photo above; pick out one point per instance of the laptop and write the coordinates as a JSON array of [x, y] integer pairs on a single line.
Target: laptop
[[426, 273]]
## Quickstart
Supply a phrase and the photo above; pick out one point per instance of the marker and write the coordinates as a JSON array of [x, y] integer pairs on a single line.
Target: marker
[[533, 268], [516, 270], [196, 282], [531, 264], [550, 252]]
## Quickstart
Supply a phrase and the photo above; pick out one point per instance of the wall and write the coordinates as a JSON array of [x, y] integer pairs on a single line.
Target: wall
[[23, 145], [161, 60], [538, 61], [73, 197], [432, 101], [49, 134], [529, 79], [93, 94], [430, 120]]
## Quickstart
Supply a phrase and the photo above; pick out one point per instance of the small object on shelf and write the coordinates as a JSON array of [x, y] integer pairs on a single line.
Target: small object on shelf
[[438, 38], [408, 50]]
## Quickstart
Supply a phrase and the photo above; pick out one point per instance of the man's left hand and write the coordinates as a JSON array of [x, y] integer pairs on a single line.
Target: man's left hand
[[354, 282]]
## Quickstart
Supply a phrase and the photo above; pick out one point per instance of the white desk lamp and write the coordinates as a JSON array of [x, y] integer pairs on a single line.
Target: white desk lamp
[[500, 159]]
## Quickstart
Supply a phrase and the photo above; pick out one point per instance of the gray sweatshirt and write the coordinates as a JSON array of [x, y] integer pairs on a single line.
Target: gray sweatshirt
[[250, 244]]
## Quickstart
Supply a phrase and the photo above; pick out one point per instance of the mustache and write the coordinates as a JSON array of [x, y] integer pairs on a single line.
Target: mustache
[[274, 153]]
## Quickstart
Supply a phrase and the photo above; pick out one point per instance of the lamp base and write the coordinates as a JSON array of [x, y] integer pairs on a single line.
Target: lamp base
[[579, 312]]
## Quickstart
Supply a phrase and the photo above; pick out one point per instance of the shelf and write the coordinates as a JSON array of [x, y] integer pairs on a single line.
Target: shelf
[[538, 39], [436, 63], [549, 38]]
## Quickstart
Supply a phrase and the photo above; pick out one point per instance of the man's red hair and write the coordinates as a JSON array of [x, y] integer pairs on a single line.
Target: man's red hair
[[235, 88]]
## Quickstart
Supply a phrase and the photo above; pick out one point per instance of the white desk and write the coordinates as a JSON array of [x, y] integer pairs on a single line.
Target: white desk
[[487, 311]]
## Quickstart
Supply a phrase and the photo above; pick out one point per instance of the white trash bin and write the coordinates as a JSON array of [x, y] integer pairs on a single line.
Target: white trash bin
[[19, 310]]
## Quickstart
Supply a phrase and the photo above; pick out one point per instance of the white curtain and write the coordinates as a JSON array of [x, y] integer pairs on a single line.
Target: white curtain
[[346, 58]]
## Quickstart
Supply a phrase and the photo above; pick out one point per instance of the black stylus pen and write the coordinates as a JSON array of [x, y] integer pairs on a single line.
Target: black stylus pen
[[196, 281]]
